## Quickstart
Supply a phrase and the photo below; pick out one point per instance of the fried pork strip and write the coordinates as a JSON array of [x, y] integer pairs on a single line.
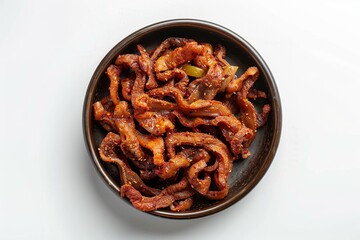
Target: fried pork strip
[[167, 44], [200, 185], [183, 159], [232, 129], [154, 122], [199, 108], [108, 154], [261, 118], [148, 67], [104, 113], [154, 144], [182, 205], [175, 73], [177, 57], [113, 73], [247, 109], [251, 73], [209, 143], [126, 88], [207, 86], [130, 145], [219, 54], [165, 198]]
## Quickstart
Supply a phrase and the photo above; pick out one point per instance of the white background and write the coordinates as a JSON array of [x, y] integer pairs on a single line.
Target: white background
[[48, 186]]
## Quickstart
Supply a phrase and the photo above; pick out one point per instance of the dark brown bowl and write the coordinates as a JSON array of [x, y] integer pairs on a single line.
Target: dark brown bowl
[[246, 173]]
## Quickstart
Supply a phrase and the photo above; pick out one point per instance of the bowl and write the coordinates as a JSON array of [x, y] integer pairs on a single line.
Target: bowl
[[246, 173]]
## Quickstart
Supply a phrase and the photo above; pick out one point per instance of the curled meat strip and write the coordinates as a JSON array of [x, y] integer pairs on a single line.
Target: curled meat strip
[[126, 87], [183, 205], [126, 127], [254, 94], [167, 44], [207, 86], [180, 119], [148, 67], [155, 144], [108, 154], [206, 58], [156, 123], [199, 108], [220, 53], [230, 127], [165, 198], [251, 73], [175, 73], [104, 113], [200, 185], [146, 103], [177, 57], [247, 109], [182, 159], [261, 118], [207, 142], [114, 74]]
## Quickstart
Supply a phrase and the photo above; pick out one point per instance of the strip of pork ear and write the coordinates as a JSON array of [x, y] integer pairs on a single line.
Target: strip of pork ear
[[127, 176], [199, 108], [113, 73], [206, 58], [261, 118], [103, 113], [200, 185], [126, 88], [208, 86], [130, 145], [231, 103], [167, 44], [156, 123], [247, 109], [132, 60], [210, 144], [178, 74], [235, 133], [236, 83], [147, 103], [147, 65], [248, 114], [220, 53], [217, 194], [254, 94], [155, 145], [152, 114], [182, 205], [183, 159], [177, 57], [165, 198]]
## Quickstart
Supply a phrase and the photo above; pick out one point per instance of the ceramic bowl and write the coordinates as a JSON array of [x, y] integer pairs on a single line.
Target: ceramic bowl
[[246, 173]]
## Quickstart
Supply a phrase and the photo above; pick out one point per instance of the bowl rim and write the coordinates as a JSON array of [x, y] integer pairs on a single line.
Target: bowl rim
[[186, 22]]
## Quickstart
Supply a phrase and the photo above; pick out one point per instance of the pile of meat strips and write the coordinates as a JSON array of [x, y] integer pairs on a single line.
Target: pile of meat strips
[[177, 117]]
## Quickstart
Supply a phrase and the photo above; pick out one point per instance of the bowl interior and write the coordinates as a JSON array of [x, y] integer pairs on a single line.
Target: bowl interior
[[246, 173]]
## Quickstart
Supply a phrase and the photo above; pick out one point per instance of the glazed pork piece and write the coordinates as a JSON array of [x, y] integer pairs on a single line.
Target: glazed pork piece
[[177, 117]]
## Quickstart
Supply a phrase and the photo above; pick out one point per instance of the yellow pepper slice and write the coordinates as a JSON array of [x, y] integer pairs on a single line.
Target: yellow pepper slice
[[193, 71]]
